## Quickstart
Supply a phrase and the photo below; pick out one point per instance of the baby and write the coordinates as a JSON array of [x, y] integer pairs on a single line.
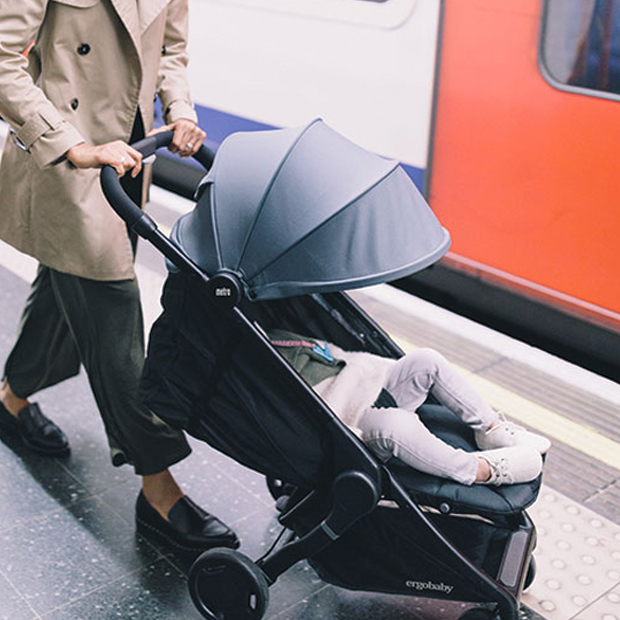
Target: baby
[[378, 398]]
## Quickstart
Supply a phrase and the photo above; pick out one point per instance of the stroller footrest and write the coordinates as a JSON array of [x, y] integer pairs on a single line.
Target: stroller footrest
[[451, 497]]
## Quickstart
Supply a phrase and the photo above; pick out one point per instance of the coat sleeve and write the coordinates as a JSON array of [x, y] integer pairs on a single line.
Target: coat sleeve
[[38, 125], [172, 83]]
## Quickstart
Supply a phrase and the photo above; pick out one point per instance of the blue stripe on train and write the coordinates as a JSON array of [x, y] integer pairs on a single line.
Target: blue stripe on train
[[221, 124]]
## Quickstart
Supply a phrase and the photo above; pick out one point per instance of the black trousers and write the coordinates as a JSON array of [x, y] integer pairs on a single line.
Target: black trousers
[[70, 321]]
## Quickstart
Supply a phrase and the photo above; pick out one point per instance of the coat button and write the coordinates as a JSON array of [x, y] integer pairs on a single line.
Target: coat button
[[83, 49], [163, 50], [74, 104]]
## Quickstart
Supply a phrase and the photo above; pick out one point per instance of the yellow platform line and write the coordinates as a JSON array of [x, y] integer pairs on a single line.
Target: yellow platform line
[[579, 436]]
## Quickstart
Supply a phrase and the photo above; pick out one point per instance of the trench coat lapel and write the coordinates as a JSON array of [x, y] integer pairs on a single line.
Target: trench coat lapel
[[149, 10], [128, 13]]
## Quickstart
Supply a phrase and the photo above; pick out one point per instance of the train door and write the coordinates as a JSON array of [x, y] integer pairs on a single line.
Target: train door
[[526, 151]]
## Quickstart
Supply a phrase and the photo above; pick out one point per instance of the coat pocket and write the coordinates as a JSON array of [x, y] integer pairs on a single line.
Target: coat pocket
[[80, 4]]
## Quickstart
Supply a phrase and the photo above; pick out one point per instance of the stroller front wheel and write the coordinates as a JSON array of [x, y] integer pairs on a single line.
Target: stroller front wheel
[[226, 585]]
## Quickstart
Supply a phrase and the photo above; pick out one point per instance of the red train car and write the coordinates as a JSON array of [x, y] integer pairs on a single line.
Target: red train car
[[524, 170]]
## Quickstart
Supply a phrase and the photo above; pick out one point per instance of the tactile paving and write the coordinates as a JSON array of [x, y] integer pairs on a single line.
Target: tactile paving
[[578, 561]]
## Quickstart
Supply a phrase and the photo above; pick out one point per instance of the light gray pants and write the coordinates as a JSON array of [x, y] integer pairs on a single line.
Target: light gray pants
[[401, 433]]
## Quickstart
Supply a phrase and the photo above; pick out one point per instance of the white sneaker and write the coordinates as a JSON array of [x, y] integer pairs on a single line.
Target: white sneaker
[[506, 433], [512, 465]]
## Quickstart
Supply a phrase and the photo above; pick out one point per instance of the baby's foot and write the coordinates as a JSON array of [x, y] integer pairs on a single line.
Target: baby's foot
[[504, 433], [512, 465]]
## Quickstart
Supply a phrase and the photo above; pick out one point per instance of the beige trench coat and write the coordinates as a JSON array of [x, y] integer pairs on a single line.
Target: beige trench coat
[[93, 63]]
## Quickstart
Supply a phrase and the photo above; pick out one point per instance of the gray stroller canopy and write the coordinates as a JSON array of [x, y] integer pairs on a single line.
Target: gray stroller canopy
[[304, 210]]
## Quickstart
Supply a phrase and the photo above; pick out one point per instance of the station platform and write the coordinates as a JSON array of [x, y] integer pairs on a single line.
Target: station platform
[[68, 547]]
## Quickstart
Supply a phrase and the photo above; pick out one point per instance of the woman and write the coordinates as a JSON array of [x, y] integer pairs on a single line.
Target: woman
[[73, 101]]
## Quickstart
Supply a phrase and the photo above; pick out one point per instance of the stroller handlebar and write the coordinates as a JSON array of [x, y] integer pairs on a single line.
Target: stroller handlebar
[[148, 146], [124, 206]]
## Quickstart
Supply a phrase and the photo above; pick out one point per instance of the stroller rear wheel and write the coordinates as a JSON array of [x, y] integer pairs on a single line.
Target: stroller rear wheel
[[226, 585]]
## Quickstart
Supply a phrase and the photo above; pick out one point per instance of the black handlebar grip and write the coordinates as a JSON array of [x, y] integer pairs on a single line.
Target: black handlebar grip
[[148, 146], [124, 206], [205, 157]]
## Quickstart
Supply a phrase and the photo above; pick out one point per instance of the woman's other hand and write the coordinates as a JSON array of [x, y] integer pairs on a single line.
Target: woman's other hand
[[187, 139], [116, 154]]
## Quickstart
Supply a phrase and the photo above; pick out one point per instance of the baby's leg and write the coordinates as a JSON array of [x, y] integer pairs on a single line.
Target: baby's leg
[[426, 371], [399, 433]]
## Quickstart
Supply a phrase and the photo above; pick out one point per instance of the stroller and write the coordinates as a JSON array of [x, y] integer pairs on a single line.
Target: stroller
[[285, 220]]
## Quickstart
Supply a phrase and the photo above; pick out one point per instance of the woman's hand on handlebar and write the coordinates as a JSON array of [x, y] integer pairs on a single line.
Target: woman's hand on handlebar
[[187, 139], [116, 154]]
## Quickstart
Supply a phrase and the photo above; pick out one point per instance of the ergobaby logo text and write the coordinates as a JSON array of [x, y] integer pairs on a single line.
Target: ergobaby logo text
[[429, 585]]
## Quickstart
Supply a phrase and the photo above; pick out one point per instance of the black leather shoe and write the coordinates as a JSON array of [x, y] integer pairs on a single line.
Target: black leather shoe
[[189, 530], [37, 432]]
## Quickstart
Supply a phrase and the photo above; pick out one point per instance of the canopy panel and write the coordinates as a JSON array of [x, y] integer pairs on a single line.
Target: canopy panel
[[304, 210]]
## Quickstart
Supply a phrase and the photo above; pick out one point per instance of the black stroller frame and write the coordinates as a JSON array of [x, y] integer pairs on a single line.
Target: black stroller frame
[[225, 584]]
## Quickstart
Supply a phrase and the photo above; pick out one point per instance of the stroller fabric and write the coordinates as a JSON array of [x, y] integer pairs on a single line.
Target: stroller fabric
[[296, 211]]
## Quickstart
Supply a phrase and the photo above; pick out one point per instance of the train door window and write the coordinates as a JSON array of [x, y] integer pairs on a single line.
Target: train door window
[[580, 45]]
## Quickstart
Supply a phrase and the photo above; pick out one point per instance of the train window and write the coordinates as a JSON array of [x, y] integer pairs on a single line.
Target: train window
[[580, 44]]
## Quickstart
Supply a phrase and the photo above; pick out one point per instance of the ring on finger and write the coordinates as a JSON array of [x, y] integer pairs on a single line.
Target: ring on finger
[[190, 145], [123, 159]]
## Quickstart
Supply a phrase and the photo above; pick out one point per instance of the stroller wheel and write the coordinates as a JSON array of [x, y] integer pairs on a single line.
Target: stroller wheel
[[226, 585], [530, 575], [479, 613]]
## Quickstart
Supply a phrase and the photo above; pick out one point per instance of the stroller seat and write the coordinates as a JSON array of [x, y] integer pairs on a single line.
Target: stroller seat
[[450, 497]]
